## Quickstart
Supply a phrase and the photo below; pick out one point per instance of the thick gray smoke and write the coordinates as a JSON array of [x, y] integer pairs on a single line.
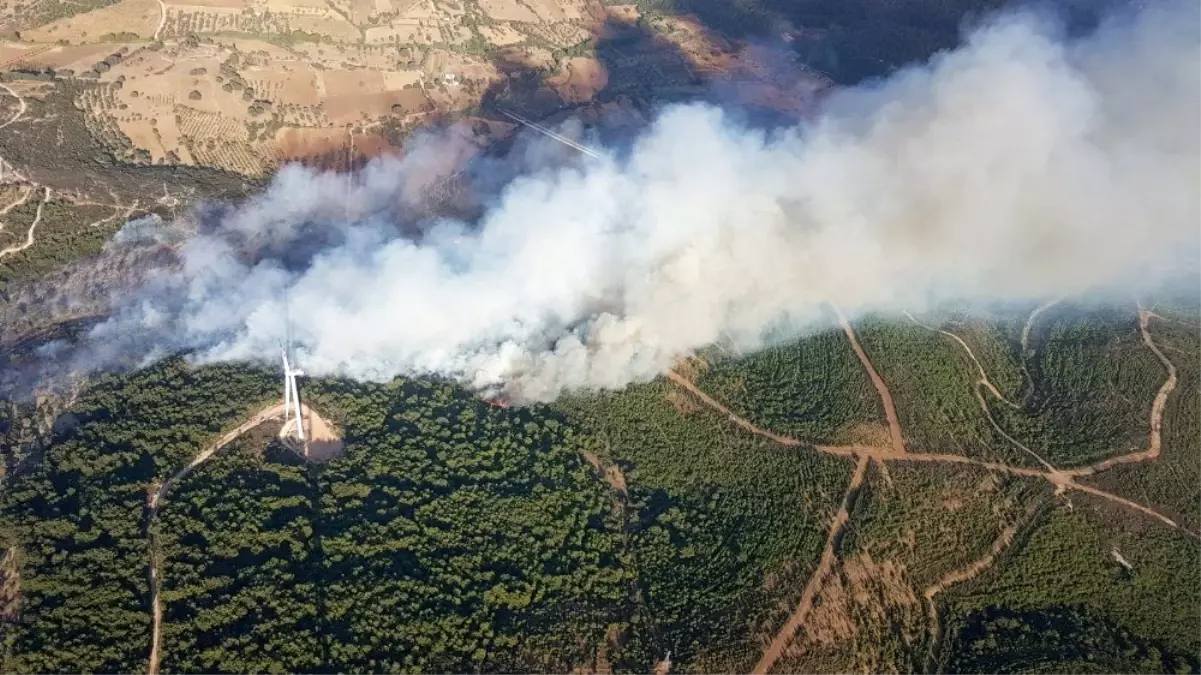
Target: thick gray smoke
[[1021, 165]]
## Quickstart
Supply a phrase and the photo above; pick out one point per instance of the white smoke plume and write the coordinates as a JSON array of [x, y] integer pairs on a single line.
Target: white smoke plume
[[1021, 165]]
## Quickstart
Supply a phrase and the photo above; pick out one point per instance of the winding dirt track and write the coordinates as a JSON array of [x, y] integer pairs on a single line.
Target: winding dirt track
[[21, 108], [984, 381], [20, 103], [152, 506], [1062, 480], [1155, 443], [797, 619], [1026, 345], [162, 19], [958, 576], [971, 355], [16, 248], [1030, 323], [26, 191]]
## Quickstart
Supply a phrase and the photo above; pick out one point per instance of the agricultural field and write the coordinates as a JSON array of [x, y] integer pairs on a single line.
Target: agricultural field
[[241, 86]]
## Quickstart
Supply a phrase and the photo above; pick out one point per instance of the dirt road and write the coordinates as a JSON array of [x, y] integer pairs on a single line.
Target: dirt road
[[154, 502], [162, 19], [1030, 323], [16, 248], [958, 576], [971, 355], [984, 382], [797, 619], [1062, 480], [21, 107], [26, 191], [890, 409], [1155, 442]]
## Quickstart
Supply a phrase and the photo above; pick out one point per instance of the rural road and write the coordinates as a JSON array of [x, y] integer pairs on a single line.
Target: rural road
[[1161, 401], [795, 620], [971, 355], [1061, 479], [958, 576], [21, 107], [984, 381], [16, 248], [155, 500], [162, 19], [890, 409]]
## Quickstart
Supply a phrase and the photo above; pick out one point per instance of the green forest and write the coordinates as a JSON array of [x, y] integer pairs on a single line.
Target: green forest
[[451, 536], [610, 529]]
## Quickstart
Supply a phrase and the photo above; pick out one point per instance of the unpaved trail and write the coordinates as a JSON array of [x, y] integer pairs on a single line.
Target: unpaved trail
[[155, 500], [890, 409], [1062, 480], [1155, 439], [984, 381], [971, 355], [797, 619], [973, 570], [21, 106], [26, 191], [162, 19], [16, 248], [958, 576]]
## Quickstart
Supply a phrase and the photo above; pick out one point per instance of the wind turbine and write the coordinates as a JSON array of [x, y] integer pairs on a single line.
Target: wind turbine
[[291, 395], [291, 392], [550, 134]]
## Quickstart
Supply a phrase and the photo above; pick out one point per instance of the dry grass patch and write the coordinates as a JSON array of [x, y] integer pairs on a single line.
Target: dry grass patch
[[331, 25], [308, 7], [361, 107], [139, 17], [868, 434], [331, 149], [502, 34], [403, 32], [238, 5], [508, 10], [78, 58], [285, 84], [558, 10], [12, 52]]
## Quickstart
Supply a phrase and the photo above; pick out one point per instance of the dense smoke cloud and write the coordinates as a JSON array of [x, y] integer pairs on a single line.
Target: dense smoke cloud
[[1018, 166]]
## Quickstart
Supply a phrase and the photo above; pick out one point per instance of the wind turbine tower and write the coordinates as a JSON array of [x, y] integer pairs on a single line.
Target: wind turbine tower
[[291, 398]]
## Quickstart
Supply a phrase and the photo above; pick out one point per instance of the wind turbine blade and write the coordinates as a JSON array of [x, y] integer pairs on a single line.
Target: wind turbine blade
[[551, 134]]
